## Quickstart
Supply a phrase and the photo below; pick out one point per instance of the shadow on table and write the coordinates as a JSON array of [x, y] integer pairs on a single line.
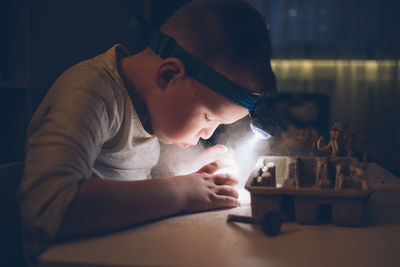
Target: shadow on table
[[383, 209]]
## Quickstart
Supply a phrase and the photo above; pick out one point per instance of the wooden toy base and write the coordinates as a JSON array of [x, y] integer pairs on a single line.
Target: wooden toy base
[[310, 190]]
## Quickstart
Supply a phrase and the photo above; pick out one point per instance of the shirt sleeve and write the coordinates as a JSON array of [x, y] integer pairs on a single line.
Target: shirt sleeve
[[66, 135]]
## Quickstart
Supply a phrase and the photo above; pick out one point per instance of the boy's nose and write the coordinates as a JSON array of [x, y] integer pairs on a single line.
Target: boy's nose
[[206, 133]]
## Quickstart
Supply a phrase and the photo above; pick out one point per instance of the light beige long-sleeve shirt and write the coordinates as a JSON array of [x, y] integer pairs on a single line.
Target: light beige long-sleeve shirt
[[85, 127]]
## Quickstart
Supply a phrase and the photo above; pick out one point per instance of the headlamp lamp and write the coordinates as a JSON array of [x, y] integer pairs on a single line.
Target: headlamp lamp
[[262, 121], [166, 46]]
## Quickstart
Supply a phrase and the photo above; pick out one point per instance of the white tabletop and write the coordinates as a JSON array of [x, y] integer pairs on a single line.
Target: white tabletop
[[206, 239]]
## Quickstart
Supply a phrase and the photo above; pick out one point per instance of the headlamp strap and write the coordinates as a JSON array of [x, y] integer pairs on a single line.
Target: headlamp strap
[[166, 46]]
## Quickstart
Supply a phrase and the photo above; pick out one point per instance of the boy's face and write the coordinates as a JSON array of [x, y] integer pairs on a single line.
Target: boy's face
[[185, 111]]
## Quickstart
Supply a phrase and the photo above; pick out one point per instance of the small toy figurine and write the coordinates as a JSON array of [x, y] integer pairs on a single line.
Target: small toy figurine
[[356, 143], [293, 174], [354, 179], [322, 174], [336, 131], [267, 175], [351, 140]]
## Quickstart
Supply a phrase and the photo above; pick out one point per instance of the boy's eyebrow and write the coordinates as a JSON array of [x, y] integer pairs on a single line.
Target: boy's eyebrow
[[166, 46]]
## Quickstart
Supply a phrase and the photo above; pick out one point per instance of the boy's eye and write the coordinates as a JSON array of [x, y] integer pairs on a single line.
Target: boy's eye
[[207, 117]]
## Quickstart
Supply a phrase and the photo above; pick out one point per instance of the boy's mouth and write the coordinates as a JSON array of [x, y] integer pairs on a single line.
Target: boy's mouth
[[184, 145]]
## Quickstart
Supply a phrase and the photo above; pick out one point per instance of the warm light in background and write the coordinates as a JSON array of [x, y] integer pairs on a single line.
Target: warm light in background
[[279, 65]]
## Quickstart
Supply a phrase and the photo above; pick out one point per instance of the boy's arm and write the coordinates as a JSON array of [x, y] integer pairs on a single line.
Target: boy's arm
[[103, 205]]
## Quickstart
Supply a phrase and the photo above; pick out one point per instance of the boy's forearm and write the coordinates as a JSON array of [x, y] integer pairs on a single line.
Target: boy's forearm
[[102, 205]]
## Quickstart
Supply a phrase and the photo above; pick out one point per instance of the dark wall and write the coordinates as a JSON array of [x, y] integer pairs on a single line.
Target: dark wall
[[333, 29], [63, 33], [42, 38]]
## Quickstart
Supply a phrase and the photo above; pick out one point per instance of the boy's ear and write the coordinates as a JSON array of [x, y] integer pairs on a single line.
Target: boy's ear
[[168, 69]]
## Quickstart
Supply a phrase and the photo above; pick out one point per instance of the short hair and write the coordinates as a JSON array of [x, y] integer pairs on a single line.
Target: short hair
[[227, 35]]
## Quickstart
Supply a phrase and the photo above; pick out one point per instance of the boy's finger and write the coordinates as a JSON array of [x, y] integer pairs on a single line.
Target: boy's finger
[[224, 179], [225, 201], [227, 190], [217, 152], [209, 168], [217, 149], [225, 163]]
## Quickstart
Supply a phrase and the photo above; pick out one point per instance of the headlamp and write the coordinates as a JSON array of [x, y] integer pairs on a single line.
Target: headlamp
[[262, 121], [166, 46], [260, 133]]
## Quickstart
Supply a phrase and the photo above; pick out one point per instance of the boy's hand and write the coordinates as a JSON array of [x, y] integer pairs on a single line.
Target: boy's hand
[[209, 168], [202, 191]]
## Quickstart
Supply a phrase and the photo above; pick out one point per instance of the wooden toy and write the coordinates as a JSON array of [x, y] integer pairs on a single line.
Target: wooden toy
[[309, 189]]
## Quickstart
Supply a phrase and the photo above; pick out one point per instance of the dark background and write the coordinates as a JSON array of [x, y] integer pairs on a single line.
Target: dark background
[[346, 49]]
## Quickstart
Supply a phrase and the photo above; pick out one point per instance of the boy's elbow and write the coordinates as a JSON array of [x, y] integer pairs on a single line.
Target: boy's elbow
[[42, 214]]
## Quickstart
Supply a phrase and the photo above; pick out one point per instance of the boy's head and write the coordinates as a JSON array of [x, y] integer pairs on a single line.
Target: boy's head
[[231, 38]]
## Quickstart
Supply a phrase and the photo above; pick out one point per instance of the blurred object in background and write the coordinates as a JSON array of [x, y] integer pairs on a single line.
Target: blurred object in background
[[362, 93], [302, 110], [332, 29], [303, 118], [348, 50], [296, 142]]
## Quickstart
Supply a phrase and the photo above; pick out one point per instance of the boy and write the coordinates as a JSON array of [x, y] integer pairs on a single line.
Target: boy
[[94, 138]]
